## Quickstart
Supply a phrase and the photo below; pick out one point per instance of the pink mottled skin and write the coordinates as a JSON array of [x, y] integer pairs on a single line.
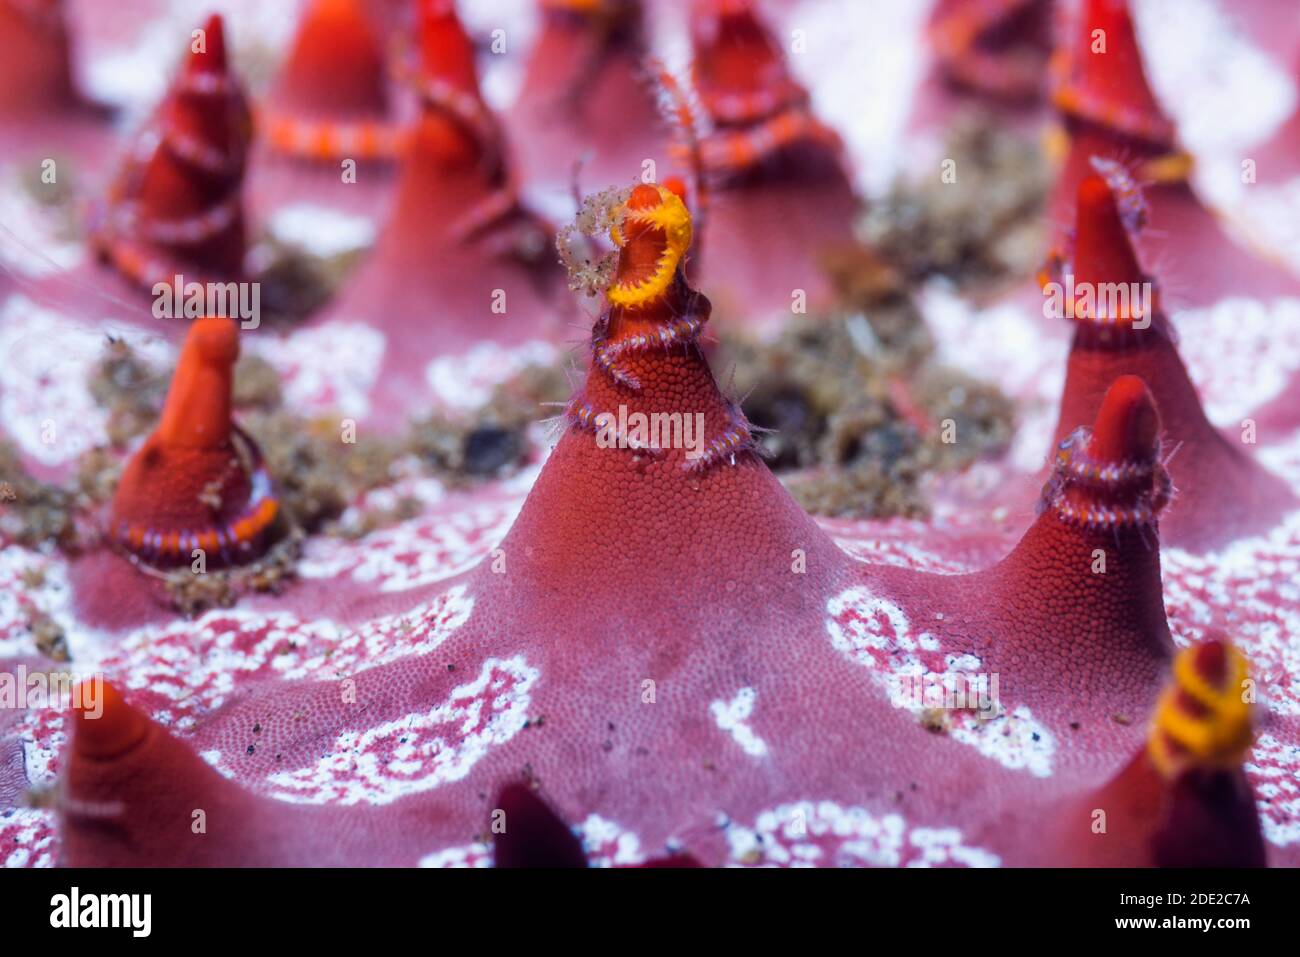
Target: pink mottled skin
[[1198, 262], [131, 790], [435, 282], [771, 223], [1222, 492], [585, 98]]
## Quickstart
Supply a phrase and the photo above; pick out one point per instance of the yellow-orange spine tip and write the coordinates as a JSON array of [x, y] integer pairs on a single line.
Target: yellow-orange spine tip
[[658, 209], [1204, 718]]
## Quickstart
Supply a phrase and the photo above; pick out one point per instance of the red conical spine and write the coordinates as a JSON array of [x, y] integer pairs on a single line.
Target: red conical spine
[[331, 100], [1100, 79], [994, 47], [1121, 329], [529, 834], [197, 482], [176, 207], [746, 88]]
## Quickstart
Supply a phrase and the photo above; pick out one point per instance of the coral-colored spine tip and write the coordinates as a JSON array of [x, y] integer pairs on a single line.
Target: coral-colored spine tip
[[104, 725], [208, 47], [1128, 424], [1103, 252], [197, 411]]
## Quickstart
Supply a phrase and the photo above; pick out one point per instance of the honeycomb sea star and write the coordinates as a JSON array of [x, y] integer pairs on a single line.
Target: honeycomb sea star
[[643, 651]]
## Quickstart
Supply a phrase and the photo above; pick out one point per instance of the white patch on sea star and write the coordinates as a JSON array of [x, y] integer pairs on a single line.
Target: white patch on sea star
[[1274, 772], [466, 381], [876, 633], [1219, 89], [327, 368], [31, 240], [731, 716], [45, 400], [415, 553], [31, 833], [1241, 354], [608, 844], [421, 750], [189, 668], [467, 855], [823, 833], [321, 231], [605, 843]]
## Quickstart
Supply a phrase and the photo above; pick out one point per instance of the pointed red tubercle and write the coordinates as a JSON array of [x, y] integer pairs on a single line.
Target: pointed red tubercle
[[1111, 476], [446, 51], [197, 482], [1117, 71], [1100, 78], [1127, 428], [1103, 252], [336, 38], [197, 411], [211, 57], [104, 725]]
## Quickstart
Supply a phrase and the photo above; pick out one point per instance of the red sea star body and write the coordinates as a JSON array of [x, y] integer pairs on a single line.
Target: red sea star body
[[677, 659]]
